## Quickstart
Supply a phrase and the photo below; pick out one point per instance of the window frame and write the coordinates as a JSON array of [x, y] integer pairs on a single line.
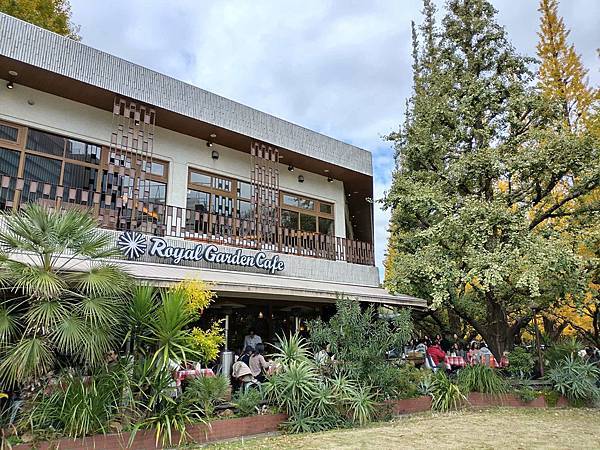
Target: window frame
[[316, 211], [101, 165]]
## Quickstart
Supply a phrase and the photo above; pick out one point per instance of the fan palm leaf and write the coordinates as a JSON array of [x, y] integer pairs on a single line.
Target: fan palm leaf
[[100, 281], [73, 309], [28, 358]]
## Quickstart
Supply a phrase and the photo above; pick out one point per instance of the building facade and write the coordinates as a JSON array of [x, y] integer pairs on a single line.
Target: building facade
[[278, 218]]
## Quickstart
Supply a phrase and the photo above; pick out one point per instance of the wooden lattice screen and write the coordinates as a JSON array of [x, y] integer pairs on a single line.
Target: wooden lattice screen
[[125, 185], [264, 177]]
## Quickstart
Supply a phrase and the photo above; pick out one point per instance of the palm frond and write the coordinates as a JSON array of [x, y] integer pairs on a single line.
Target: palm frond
[[39, 282], [29, 358], [99, 311], [46, 314], [9, 324], [102, 280], [68, 336]]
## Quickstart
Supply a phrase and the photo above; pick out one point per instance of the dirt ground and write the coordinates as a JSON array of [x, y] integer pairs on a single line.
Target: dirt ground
[[500, 428]]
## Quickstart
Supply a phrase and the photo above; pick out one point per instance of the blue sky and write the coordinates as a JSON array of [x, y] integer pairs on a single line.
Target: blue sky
[[342, 68]]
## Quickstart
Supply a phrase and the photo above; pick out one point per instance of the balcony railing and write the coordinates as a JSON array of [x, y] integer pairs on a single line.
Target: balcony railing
[[172, 221]]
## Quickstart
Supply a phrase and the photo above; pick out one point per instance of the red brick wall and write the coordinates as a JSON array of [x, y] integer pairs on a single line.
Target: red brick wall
[[145, 439]]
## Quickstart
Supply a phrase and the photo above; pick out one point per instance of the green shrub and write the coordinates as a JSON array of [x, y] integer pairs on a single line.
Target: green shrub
[[526, 394], [248, 402], [208, 392], [78, 406], [551, 397], [575, 379], [481, 378], [361, 339], [561, 350], [313, 401], [445, 395], [401, 382], [520, 363]]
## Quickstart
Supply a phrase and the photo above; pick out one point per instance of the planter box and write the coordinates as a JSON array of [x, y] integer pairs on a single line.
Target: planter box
[[145, 439], [410, 405], [477, 399]]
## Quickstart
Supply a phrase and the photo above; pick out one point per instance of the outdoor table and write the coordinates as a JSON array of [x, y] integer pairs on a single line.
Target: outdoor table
[[455, 361], [181, 375]]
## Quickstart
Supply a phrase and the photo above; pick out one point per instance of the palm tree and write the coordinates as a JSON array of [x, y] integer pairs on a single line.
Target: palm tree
[[61, 304]]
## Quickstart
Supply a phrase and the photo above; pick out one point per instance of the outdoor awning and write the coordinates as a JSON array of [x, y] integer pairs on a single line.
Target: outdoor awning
[[266, 287], [253, 285]]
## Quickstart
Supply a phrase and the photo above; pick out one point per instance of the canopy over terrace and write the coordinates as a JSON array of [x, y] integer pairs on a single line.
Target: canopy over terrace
[[269, 287]]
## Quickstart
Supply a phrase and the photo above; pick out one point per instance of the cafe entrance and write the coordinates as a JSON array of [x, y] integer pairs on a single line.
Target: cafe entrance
[[268, 319]]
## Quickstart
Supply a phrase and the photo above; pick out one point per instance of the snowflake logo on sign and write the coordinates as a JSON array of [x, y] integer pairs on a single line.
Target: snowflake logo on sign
[[133, 245]]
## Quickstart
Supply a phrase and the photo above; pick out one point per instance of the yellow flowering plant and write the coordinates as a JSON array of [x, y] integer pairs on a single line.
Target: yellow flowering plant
[[207, 342], [198, 295]]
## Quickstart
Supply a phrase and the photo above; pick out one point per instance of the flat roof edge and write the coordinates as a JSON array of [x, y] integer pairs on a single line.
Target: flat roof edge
[[41, 48]]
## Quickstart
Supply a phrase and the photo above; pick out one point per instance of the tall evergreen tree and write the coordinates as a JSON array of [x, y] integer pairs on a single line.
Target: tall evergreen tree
[[562, 79], [480, 163], [562, 75]]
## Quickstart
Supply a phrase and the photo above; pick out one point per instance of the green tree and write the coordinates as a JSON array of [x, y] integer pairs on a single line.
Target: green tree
[[62, 305], [485, 171], [563, 80], [53, 15]]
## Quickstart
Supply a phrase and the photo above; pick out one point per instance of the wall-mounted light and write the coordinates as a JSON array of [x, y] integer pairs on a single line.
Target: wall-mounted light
[[215, 155], [291, 168], [329, 180], [300, 179], [260, 315], [209, 144], [213, 135], [10, 85]]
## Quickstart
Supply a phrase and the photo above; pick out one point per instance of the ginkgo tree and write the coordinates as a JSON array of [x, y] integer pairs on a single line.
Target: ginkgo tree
[[485, 171]]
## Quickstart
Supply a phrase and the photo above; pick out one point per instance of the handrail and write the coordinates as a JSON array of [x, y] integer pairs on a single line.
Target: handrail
[[174, 221]]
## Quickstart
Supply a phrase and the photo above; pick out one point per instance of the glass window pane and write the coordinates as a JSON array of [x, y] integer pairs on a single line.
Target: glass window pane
[[45, 143], [289, 219], [306, 203], [222, 205], [326, 226], [200, 179], [291, 200], [43, 169], [198, 201], [9, 162], [222, 184], [244, 190], [155, 168], [244, 210], [76, 176], [308, 223], [9, 133], [154, 192], [120, 159], [326, 208], [83, 152]]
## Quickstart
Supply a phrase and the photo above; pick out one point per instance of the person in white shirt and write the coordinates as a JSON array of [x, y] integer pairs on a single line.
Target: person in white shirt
[[252, 339]]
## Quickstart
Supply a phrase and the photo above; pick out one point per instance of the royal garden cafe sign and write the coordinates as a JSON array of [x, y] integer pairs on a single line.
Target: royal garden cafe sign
[[134, 245]]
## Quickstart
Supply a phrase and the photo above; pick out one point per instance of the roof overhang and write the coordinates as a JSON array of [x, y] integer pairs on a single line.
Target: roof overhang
[[232, 284]]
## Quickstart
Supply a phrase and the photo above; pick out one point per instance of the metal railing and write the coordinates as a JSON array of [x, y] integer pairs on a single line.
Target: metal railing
[[171, 221]]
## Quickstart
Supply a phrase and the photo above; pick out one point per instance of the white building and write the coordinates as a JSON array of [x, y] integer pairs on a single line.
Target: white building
[[171, 166]]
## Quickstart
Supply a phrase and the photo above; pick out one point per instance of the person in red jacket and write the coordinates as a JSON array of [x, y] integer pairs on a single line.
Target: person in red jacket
[[437, 354]]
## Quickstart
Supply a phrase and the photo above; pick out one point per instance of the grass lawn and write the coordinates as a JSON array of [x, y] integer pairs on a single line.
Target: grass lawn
[[502, 428]]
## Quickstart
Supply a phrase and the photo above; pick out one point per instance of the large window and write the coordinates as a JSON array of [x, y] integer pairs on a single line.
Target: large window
[[40, 156], [306, 214], [208, 193]]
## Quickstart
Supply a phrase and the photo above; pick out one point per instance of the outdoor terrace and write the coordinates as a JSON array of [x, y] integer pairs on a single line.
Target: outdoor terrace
[[116, 213]]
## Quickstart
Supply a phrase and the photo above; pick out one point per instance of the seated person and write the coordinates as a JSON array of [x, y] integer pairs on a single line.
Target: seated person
[[258, 364], [437, 354]]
